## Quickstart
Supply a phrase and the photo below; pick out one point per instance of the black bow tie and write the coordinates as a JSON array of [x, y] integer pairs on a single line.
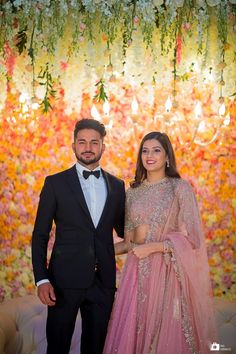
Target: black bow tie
[[86, 174]]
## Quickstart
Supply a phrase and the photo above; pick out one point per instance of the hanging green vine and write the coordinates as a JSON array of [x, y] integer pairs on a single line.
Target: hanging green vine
[[49, 90], [32, 57], [222, 35], [101, 95], [128, 30], [84, 22], [21, 40]]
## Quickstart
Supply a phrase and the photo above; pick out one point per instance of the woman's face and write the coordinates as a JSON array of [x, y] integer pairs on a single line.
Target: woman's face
[[153, 156]]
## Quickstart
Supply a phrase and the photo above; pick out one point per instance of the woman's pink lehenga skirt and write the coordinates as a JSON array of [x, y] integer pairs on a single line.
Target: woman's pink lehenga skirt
[[158, 309], [134, 327]]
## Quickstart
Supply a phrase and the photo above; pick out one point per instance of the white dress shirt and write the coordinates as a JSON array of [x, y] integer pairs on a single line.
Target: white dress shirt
[[95, 194]]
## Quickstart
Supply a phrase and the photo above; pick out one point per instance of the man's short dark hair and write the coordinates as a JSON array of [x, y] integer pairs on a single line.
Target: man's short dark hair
[[89, 123]]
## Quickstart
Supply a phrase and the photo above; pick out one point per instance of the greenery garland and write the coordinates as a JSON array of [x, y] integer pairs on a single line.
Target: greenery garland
[[32, 26]]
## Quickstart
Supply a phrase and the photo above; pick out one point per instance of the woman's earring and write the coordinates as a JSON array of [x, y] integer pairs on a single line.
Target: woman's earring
[[167, 163]]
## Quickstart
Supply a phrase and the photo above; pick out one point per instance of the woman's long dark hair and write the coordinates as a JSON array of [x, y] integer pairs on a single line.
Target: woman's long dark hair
[[141, 172]]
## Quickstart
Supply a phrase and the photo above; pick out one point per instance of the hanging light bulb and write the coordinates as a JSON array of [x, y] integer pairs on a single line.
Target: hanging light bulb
[[202, 127], [196, 66], [94, 113], [106, 107], [25, 108], [134, 106], [35, 105], [24, 96], [222, 109], [168, 104], [227, 120], [198, 110], [110, 124]]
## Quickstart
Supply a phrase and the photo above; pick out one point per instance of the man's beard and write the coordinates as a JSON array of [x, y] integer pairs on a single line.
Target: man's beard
[[90, 161]]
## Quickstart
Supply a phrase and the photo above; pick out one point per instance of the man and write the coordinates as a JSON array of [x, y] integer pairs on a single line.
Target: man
[[86, 203]]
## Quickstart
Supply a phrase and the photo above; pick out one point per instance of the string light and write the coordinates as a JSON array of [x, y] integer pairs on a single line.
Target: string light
[[222, 109], [190, 126], [198, 110], [24, 96], [168, 104], [94, 113], [202, 126], [134, 106], [227, 120], [35, 106], [106, 107]]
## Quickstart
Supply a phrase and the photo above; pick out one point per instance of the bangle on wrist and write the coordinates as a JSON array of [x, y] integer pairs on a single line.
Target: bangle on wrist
[[166, 248]]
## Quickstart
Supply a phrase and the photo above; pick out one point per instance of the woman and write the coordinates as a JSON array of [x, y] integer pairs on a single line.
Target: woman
[[164, 302]]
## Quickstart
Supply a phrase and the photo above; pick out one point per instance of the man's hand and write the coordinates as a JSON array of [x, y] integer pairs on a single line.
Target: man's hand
[[46, 294]]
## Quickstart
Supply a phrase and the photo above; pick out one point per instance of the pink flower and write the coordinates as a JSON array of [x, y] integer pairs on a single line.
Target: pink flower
[[227, 281], [232, 180], [136, 20], [186, 26], [63, 65], [10, 58], [129, 42], [178, 49], [82, 26], [7, 195], [227, 255], [18, 196]]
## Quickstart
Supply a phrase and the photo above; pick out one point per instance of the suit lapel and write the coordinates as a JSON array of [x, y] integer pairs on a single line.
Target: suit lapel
[[75, 186]]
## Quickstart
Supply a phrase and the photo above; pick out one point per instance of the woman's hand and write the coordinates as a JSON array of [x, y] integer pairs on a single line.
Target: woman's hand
[[142, 251], [145, 250]]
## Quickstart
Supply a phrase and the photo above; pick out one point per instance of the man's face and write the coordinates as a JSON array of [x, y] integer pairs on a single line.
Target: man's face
[[88, 148]]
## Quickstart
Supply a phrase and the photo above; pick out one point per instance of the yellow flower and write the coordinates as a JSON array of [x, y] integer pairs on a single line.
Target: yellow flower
[[9, 259], [233, 201], [10, 275]]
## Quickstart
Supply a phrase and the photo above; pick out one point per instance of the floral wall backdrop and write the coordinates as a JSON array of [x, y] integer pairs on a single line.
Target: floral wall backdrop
[[34, 147], [136, 66]]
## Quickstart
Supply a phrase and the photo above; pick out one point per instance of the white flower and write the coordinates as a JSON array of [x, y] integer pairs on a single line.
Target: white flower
[[18, 3], [24, 277], [29, 179], [158, 2], [7, 7], [179, 3], [201, 3], [213, 2]]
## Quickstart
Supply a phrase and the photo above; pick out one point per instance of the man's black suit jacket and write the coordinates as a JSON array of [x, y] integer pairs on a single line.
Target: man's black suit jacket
[[78, 243]]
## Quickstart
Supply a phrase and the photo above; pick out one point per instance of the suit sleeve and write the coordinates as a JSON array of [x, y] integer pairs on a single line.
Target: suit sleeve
[[42, 228], [119, 222]]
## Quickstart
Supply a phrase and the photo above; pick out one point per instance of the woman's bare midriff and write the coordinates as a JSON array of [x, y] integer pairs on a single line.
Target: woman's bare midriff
[[139, 234]]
